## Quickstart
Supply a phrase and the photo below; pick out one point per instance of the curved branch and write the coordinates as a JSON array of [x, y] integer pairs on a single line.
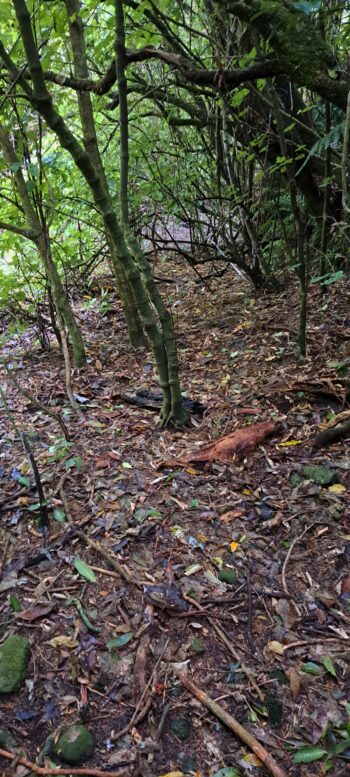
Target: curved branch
[[28, 233], [233, 77]]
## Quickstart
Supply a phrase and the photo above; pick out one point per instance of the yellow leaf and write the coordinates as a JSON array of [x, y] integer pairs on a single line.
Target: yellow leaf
[[252, 760], [191, 471], [173, 774], [289, 443], [337, 488], [247, 491], [275, 647], [234, 546], [62, 641], [23, 501]]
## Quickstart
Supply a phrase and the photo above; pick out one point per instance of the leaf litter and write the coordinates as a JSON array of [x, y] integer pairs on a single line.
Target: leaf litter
[[234, 567]]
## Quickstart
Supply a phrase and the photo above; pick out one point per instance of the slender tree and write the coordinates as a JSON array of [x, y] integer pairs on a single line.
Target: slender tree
[[172, 410], [38, 232]]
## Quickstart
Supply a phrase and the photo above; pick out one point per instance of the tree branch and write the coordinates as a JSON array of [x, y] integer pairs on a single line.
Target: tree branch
[[28, 233]]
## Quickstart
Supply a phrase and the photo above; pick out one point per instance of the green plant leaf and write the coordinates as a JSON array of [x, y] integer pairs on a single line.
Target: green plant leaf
[[84, 570], [59, 515], [73, 462], [14, 603], [120, 641], [343, 745], [227, 771], [23, 481], [328, 664], [311, 668], [306, 755]]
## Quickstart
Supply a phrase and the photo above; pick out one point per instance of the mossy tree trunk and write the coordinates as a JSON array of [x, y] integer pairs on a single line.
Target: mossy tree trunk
[[172, 404], [39, 233], [153, 326], [81, 71]]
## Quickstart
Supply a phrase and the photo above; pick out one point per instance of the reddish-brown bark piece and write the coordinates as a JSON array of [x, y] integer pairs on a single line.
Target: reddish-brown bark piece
[[239, 443]]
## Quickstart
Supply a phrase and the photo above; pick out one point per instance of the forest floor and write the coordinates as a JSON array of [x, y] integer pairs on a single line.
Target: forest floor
[[271, 644]]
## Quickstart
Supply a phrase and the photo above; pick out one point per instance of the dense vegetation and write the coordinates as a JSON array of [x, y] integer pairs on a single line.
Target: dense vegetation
[[121, 120]]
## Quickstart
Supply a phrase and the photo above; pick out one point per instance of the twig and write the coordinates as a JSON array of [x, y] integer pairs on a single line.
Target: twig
[[111, 560], [34, 401], [135, 720], [162, 722], [250, 610], [60, 770], [44, 521], [219, 631], [231, 723], [4, 555], [123, 570], [140, 712], [290, 551]]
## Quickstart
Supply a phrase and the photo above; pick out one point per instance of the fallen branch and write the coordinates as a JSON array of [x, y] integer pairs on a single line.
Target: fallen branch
[[231, 723], [60, 770], [330, 435]]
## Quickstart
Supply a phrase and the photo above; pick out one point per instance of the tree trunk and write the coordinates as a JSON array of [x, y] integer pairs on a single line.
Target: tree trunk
[[172, 409], [42, 102], [41, 239], [81, 71]]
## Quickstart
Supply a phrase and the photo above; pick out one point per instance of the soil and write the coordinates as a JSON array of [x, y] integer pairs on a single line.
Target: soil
[[285, 616]]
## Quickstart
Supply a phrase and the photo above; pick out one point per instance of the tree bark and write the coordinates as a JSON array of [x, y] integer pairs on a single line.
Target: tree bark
[[39, 233], [42, 102], [81, 71]]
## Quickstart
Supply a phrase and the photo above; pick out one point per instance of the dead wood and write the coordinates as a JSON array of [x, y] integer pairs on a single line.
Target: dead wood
[[231, 723], [332, 434]]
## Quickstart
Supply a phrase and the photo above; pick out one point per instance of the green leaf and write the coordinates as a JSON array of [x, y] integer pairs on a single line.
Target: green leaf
[[306, 755], [59, 515], [15, 166], [311, 668], [120, 641], [73, 462], [15, 604], [228, 771], [23, 481], [35, 507], [84, 570], [328, 664], [238, 97], [343, 745]]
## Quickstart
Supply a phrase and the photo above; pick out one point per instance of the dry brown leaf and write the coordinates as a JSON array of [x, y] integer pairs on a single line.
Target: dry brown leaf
[[294, 681], [34, 613]]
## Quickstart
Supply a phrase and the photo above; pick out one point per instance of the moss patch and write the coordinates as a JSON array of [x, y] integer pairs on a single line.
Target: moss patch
[[75, 745], [14, 655]]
